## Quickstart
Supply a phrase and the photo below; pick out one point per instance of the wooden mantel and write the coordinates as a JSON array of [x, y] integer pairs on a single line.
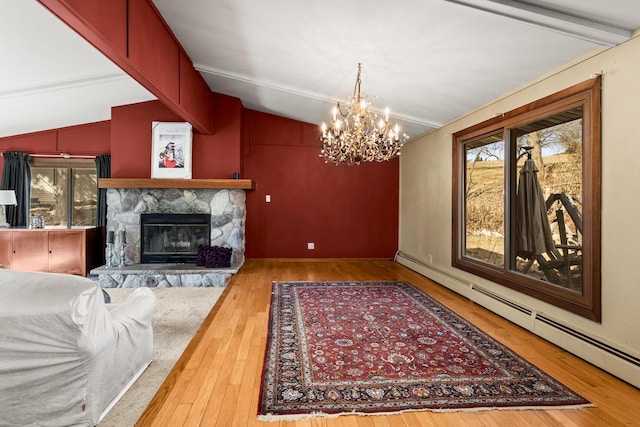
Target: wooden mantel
[[244, 184]]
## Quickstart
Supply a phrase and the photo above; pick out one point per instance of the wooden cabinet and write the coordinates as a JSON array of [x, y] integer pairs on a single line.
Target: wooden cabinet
[[65, 252], [70, 251], [30, 250], [5, 250]]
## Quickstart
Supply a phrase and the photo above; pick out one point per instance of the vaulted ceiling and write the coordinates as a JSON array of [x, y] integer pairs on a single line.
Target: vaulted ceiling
[[429, 61]]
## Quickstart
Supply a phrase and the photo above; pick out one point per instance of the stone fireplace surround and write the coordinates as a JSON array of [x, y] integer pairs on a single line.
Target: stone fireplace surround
[[227, 207]]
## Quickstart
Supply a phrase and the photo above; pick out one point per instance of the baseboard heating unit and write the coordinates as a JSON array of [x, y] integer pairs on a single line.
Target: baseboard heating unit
[[597, 351]]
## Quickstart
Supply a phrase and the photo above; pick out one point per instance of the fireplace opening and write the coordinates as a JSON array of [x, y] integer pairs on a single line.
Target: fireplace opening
[[173, 238]]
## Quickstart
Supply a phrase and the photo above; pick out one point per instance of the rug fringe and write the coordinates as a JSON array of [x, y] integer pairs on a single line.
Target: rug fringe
[[297, 417]]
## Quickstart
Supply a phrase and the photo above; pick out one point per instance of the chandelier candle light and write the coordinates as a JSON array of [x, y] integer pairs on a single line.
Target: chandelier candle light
[[356, 137]]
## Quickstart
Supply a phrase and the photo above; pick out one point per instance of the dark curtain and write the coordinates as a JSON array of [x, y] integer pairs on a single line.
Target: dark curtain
[[16, 175], [103, 170]]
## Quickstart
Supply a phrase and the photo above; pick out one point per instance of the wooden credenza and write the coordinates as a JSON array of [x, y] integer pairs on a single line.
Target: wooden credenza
[[55, 250]]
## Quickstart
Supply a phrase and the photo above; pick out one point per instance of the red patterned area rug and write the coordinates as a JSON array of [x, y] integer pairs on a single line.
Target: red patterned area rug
[[339, 348]]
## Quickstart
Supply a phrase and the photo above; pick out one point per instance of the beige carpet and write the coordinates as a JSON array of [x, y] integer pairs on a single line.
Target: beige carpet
[[179, 314]]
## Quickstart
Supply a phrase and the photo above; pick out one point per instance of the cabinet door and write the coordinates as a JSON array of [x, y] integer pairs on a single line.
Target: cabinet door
[[30, 250], [66, 252], [5, 249]]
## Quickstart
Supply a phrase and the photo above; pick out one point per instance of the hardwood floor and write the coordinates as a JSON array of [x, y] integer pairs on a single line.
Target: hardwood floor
[[217, 380]]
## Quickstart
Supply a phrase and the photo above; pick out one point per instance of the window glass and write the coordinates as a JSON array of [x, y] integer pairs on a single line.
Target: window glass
[[64, 194], [49, 194], [484, 199], [552, 150], [84, 197]]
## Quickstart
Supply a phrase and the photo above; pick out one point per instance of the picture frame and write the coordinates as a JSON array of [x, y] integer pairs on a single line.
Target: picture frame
[[171, 150]]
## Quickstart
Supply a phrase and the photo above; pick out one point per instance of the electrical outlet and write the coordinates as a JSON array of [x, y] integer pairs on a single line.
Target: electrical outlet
[[311, 245], [430, 258], [267, 198]]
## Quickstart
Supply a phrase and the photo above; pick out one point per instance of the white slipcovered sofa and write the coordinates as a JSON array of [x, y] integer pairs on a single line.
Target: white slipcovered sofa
[[65, 355]]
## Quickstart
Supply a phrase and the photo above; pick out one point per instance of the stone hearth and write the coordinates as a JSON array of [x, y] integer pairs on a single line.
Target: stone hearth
[[163, 276]]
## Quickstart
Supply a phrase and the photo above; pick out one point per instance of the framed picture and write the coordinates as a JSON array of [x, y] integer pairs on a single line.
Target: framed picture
[[171, 150]]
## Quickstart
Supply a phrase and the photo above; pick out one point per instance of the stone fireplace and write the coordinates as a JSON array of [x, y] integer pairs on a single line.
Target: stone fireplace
[[226, 208]]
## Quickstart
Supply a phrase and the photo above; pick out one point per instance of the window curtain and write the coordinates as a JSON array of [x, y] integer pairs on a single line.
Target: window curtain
[[16, 175], [103, 170]]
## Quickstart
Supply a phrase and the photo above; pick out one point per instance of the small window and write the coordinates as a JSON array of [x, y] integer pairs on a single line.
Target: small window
[[64, 192], [526, 205]]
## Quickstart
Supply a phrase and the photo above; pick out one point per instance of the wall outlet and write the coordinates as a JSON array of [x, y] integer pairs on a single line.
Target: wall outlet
[[430, 258], [267, 198], [311, 245]]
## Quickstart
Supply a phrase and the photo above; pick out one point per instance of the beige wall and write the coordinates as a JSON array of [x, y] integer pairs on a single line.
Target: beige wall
[[425, 199]]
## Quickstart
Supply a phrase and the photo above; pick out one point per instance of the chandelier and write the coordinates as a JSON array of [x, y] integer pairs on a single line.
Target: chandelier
[[355, 137]]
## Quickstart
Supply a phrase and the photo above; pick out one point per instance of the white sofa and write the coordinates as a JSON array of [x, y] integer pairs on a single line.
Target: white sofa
[[65, 355]]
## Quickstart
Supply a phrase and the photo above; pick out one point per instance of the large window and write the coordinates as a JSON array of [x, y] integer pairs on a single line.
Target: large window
[[64, 192], [526, 203]]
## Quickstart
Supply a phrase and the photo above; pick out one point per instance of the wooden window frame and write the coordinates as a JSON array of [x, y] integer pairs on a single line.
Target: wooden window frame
[[586, 303]]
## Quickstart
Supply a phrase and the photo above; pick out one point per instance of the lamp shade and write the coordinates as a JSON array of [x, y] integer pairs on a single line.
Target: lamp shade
[[8, 197]]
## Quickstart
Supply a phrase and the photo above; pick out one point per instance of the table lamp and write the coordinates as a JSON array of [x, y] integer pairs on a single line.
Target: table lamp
[[7, 197]]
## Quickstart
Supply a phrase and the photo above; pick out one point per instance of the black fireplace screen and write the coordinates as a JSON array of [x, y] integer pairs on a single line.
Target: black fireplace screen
[[173, 238]]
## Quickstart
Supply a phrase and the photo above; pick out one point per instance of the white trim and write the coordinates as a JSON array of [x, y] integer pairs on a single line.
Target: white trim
[[62, 85], [558, 22], [292, 91]]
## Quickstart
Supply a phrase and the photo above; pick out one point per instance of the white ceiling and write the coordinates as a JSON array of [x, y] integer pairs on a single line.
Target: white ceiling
[[50, 77], [429, 61]]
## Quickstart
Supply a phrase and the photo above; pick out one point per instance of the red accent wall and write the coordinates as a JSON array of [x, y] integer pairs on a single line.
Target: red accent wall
[[213, 156], [131, 137], [219, 155], [88, 139], [91, 139], [347, 211]]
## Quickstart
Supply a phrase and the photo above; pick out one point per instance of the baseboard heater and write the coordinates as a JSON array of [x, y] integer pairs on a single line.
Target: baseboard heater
[[579, 335], [537, 316], [501, 299]]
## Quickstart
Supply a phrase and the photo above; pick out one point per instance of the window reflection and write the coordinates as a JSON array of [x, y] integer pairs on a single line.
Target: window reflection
[[484, 200], [550, 155]]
